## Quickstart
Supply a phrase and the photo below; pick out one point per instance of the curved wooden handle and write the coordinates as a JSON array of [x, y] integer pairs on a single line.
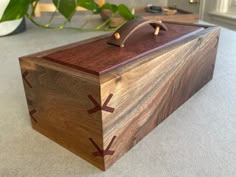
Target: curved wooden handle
[[122, 34]]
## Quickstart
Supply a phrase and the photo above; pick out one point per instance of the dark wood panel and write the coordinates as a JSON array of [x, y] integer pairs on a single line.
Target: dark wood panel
[[58, 107], [98, 57]]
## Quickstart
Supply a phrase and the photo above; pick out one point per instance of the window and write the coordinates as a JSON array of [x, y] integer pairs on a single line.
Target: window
[[223, 13], [226, 6], [232, 7]]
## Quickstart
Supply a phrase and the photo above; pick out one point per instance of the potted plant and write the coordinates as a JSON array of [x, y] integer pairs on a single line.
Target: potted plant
[[17, 9]]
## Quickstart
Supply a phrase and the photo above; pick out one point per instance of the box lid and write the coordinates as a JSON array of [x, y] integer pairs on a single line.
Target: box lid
[[97, 56]]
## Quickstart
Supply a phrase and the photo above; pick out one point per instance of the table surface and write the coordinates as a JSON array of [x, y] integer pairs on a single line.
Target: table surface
[[199, 139]]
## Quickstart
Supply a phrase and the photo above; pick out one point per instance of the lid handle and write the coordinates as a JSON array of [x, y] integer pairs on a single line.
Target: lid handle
[[119, 37]]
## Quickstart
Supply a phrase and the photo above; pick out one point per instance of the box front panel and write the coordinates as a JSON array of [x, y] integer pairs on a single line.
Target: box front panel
[[60, 106]]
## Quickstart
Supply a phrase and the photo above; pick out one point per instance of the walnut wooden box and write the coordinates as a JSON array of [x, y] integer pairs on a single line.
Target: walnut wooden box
[[99, 100]]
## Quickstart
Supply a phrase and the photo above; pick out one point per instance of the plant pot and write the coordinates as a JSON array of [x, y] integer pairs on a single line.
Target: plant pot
[[10, 27]]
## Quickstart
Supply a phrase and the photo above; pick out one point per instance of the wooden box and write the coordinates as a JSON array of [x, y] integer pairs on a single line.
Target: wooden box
[[99, 100]]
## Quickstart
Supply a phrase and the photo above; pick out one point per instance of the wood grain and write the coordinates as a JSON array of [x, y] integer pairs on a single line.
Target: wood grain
[[61, 101], [147, 94], [100, 117]]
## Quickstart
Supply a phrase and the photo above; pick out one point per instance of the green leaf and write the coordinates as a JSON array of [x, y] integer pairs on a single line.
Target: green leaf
[[111, 7], [90, 5], [16, 9], [66, 7], [125, 12]]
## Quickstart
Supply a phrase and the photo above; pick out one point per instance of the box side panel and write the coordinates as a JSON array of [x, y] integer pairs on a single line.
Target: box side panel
[[147, 94], [60, 105]]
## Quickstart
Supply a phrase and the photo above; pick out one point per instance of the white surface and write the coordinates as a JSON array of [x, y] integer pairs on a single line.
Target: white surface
[[197, 140]]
